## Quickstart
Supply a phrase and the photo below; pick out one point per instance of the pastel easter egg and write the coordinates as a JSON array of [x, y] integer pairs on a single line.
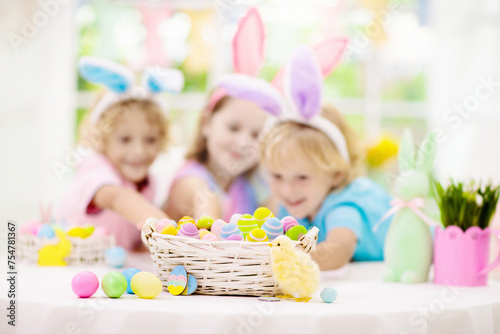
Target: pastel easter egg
[[273, 228], [328, 295], [229, 229], [170, 230], [100, 231], [77, 232], [177, 281], [296, 232], [88, 231], [146, 285], [46, 231], [85, 284], [288, 222], [257, 235], [192, 285], [161, 224], [205, 222], [235, 237], [209, 237], [115, 256], [35, 228], [234, 218], [188, 230], [186, 219], [217, 227], [246, 223], [203, 231], [29, 225], [114, 284], [261, 215], [129, 273]]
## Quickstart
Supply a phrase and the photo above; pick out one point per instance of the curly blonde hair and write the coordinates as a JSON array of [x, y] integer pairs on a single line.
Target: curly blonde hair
[[313, 146], [94, 135]]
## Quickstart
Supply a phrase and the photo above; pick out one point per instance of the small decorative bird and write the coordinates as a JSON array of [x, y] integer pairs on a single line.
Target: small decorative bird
[[297, 274]]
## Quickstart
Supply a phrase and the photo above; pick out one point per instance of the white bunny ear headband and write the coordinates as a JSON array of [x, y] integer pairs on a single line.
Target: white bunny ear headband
[[120, 81], [302, 101]]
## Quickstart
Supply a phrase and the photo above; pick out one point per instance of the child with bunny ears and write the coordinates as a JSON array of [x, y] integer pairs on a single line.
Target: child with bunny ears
[[219, 176], [127, 128], [313, 158]]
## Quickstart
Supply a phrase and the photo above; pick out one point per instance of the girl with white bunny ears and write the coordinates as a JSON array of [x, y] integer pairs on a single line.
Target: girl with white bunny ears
[[313, 157], [127, 128]]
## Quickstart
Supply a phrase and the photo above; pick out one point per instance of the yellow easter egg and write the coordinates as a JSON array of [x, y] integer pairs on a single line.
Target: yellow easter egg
[[203, 232], [186, 219], [146, 285], [169, 229], [88, 231], [257, 235], [77, 232]]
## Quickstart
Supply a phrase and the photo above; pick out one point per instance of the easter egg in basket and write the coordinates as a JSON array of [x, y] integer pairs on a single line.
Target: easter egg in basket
[[189, 230], [257, 235], [289, 222], [273, 228], [261, 215], [229, 229]]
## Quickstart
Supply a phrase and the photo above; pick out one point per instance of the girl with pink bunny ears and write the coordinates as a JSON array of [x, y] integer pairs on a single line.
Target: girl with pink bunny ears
[[219, 177], [313, 158], [127, 129]]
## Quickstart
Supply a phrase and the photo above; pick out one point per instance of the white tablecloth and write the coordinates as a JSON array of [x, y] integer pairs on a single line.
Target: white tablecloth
[[46, 304]]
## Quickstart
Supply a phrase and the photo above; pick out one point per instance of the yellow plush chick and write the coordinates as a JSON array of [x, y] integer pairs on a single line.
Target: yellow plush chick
[[297, 274]]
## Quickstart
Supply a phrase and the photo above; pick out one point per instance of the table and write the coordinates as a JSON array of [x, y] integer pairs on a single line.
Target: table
[[46, 304]]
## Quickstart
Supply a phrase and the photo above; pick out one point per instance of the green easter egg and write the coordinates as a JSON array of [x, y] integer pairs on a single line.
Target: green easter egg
[[114, 284], [296, 232], [205, 222]]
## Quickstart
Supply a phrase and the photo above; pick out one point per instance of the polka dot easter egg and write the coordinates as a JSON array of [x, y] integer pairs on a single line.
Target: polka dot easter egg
[[186, 219], [146, 285], [257, 235], [177, 281], [205, 222], [261, 215], [129, 273], [328, 295], [229, 229], [246, 223], [217, 227], [296, 232], [170, 230], [192, 285], [288, 222], [273, 228], [189, 230]]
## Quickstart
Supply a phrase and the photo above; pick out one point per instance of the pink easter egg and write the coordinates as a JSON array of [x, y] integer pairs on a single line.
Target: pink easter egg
[[85, 284], [100, 231], [161, 224], [29, 225], [235, 237], [217, 227], [289, 222], [189, 230], [210, 237]]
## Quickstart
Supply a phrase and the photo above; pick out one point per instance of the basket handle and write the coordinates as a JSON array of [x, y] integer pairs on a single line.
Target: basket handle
[[147, 229], [309, 240]]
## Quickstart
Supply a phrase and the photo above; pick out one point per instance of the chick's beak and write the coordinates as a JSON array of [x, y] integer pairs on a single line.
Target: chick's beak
[[270, 244]]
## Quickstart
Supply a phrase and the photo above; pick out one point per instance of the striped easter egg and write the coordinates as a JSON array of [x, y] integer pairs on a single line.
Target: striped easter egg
[[261, 215], [186, 219], [246, 223], [229, 229], [289, 222], [257, 235], [189, 230], [273, 228]]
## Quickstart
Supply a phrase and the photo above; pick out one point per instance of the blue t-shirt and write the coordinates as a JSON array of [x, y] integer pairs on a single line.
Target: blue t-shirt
[[358, 207]]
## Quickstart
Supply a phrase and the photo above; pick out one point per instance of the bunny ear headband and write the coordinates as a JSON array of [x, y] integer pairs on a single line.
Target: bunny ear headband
[[120, 81], [302, 101]]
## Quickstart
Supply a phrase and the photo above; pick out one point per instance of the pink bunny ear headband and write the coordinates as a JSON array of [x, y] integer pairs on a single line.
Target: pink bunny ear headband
[[120, 81], [302, 101]]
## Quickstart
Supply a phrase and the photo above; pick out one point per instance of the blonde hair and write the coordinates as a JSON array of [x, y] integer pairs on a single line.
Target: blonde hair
[[312, 146], [198, 150], [94, 135]]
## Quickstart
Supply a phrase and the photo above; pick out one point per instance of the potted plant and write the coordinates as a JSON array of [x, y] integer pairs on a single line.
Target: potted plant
[[461, 248]]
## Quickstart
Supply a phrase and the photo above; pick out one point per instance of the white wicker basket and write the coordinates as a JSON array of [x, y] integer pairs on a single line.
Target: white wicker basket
[[83, 251], [220, 267]]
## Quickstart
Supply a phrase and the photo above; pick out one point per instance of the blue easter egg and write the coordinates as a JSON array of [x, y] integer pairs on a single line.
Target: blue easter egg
[[192, 285], [177, 281], [273, 228], [129, 273], [328, 295], [115, 256], [229, 229], [46, 231]]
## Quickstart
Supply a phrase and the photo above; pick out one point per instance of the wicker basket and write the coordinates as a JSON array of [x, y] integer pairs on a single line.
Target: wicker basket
[[220, 267], [83, 251]]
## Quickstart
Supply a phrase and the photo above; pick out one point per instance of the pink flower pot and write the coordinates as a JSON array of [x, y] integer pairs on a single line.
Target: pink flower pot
[[461, 258]]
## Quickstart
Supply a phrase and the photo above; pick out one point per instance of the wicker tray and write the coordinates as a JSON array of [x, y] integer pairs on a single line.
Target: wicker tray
[[220, 267], [83, 251]]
